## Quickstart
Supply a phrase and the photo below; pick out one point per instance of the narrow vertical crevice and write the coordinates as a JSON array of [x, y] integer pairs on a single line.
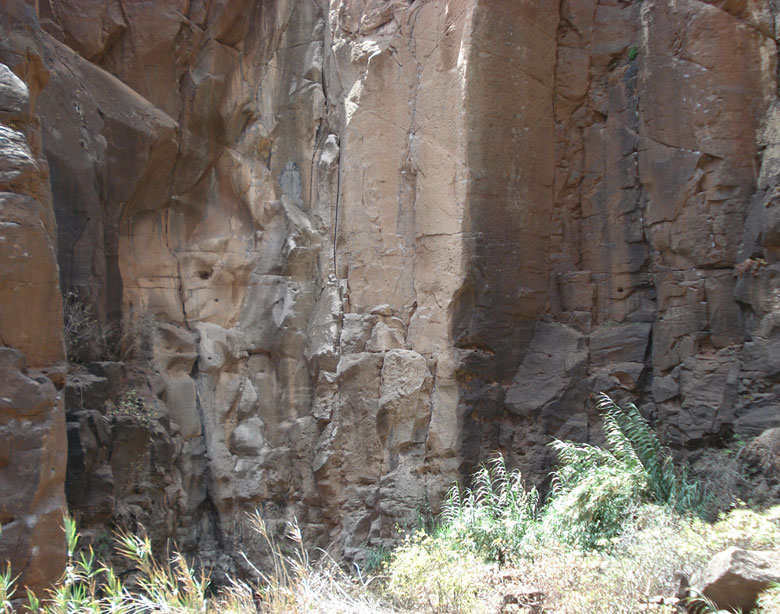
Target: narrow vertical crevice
[[336, 219]]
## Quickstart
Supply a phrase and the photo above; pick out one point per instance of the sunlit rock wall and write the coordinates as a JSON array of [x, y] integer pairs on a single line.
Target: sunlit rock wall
[[340, 251], [32, 353]]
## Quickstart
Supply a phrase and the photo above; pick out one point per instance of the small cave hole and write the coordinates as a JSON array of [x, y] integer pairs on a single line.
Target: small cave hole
[[204, 274], [620, 289]]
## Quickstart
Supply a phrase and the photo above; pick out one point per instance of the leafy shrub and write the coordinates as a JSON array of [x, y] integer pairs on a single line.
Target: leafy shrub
[[131, 405], [81, 329], [589, 508], [492, 516], [376, 559], [744, 528], [428, 574], [595, 489]]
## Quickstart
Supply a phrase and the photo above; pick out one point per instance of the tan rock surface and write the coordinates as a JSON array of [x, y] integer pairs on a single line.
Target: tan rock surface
[[734, 578], [32, 424], [343, 250]]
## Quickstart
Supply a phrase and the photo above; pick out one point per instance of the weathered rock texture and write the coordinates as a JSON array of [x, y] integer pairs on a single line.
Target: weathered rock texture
[[733, 579], [32, 353], [334, 253]]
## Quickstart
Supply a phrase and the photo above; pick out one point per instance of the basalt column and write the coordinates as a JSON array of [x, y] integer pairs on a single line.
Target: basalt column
[[510, 153]]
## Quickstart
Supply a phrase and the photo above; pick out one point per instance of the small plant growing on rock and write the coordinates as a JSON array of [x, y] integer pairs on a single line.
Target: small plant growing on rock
[[130, 405], [138, 336], [82, 332], [753, 266], [6, 589]]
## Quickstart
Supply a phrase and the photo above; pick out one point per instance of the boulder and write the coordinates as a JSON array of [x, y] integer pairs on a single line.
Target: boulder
[[735, 577]]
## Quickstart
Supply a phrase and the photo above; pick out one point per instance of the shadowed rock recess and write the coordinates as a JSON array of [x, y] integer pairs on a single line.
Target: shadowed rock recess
[[319, 258]]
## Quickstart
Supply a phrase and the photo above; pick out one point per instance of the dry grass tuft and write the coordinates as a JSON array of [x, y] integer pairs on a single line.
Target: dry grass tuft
[[295, 585]]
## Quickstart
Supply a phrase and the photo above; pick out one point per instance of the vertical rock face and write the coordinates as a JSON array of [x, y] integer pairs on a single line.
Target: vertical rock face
[[32, 356], [326, 255], [657, 152]]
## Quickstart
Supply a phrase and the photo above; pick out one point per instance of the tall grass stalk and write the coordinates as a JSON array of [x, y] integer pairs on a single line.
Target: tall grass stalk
[[493, 515], [296, 584], [293, 585]]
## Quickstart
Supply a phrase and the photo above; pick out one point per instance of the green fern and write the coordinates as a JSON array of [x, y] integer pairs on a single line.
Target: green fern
[[666, 483], [595, 490]]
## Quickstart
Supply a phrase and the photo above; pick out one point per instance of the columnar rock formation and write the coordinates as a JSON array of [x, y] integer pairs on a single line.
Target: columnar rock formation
[[32, 353], [330, 254]]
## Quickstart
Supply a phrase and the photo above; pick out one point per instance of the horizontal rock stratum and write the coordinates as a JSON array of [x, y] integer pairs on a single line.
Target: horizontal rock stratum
[[318, 258]]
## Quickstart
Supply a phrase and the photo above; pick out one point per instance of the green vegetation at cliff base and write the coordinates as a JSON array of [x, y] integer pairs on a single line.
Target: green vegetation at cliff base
[[621, 527]]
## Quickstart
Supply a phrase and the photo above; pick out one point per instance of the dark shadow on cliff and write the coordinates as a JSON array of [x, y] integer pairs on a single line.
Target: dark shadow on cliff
[[506, 227]]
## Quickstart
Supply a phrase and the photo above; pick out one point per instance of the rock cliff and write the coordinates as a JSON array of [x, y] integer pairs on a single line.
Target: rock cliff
[[320, 257], [32, 352]]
